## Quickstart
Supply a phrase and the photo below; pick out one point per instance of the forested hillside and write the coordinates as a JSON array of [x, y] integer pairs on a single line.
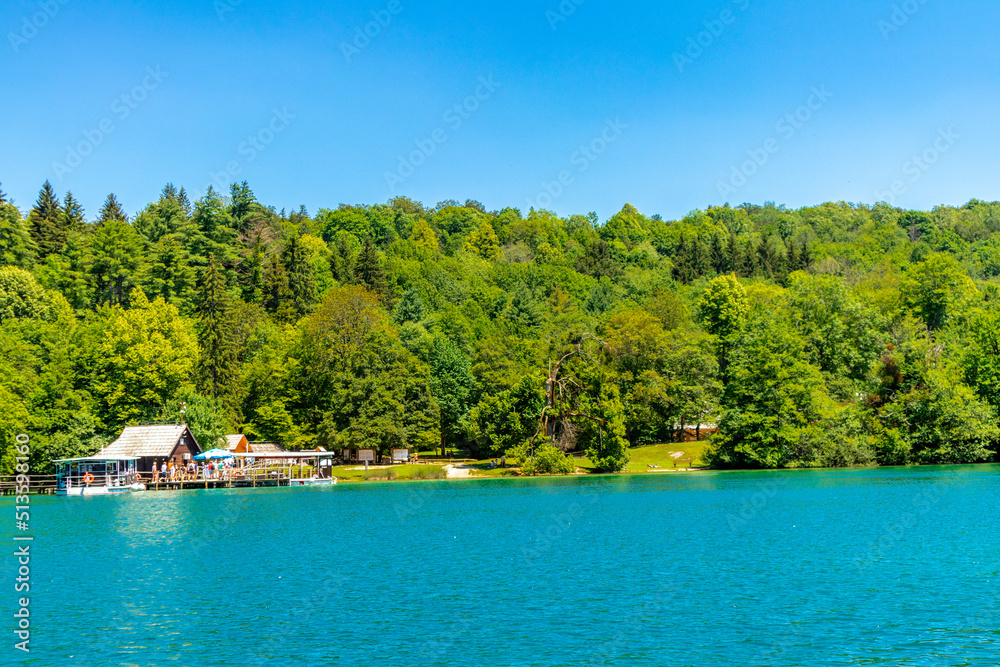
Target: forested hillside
[[832, 335]]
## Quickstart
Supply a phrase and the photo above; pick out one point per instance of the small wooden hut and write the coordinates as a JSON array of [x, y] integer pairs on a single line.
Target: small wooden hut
[[155, 444]]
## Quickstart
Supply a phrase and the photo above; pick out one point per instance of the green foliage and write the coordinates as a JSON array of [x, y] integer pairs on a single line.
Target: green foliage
[[451, 385], [507, 420], [21, 296], [138, 359], [832, 335], [17, 247], [357, 385], [602, 436], [772, 406], [546, 460]]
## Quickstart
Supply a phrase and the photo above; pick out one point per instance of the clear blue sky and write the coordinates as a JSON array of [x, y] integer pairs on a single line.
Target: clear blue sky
[[234, 69]]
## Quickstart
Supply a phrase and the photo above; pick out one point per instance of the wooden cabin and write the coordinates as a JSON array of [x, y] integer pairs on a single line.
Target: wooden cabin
[[236, 444], [154, 445]]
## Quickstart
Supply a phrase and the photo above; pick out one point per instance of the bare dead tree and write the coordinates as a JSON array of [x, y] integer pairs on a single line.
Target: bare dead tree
[[559, 389]]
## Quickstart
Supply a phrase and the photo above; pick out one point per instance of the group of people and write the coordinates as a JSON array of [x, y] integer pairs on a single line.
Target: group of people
[[501, 464], [167, 471]]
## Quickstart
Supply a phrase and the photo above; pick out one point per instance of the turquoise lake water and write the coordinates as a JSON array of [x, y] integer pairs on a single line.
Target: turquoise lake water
[[844, 567]]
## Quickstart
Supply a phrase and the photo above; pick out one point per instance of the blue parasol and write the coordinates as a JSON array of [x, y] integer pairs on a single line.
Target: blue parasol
[[213, 454]]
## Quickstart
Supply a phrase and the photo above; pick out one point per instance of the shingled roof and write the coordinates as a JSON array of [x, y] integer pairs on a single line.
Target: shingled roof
[[231, 442], [158, 440], [265, 448]]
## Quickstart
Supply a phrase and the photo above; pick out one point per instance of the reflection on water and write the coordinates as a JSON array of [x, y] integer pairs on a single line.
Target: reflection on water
[[878, 566]]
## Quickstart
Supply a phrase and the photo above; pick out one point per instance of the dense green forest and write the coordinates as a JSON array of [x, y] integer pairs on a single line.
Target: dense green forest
[[833, 335]]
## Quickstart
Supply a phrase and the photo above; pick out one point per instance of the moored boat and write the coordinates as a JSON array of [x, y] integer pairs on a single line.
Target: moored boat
[[97, 475], [313, 481]]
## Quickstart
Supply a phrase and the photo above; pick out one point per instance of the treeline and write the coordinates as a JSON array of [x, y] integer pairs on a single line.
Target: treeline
[[832, 335]]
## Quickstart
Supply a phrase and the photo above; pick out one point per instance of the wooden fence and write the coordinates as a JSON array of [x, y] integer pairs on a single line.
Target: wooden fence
[[43, 484]]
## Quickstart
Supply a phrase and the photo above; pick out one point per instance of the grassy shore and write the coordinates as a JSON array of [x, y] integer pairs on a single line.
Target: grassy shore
[[665, 457], [355, 473]]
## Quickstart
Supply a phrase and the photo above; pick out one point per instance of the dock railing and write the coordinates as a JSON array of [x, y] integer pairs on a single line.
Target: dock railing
[[40, 484]]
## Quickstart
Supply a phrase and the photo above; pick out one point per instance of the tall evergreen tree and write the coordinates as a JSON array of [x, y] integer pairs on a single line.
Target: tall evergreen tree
[[301, 277], [118, 258], [342, 258], [241, 204], [369, 271], [701, 258], [171, 273], [45, 222], [218, 365], [111, 211], [683, 265], [278, 297], [72, 215], [805, 256], [718, 255], [792, 260], [184, 201], [734, 258], [252, 273]]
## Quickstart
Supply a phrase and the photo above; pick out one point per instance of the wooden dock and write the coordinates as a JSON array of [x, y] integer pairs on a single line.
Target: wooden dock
[[46, 484]]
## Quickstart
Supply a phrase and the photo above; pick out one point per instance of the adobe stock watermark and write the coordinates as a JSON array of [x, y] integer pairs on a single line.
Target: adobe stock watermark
[[251, 147], [894, 531], [786, 128], [558, 526], [30, 25], [901, 15], [698, 44], [121, 108], [223, 7], [22, 553], [582, 158], [752, 505], [363, 35], [920, 164], [453, 118], [562, 13]]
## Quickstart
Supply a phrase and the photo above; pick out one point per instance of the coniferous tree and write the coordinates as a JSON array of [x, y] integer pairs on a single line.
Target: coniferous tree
[[683, 264], [241, 204], [171, 273], [805, 256], [72, 215], [184, 201], [45, 222], [342, 259], [599, 262], [701, 260], [767, 259], [301, 277], [718, 255], [792, 260], [278, 297], [218, 365], [3, 196], [111, 211], [747, 261], [252, 282], [734, 258], [369, 271], [118, 257]]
